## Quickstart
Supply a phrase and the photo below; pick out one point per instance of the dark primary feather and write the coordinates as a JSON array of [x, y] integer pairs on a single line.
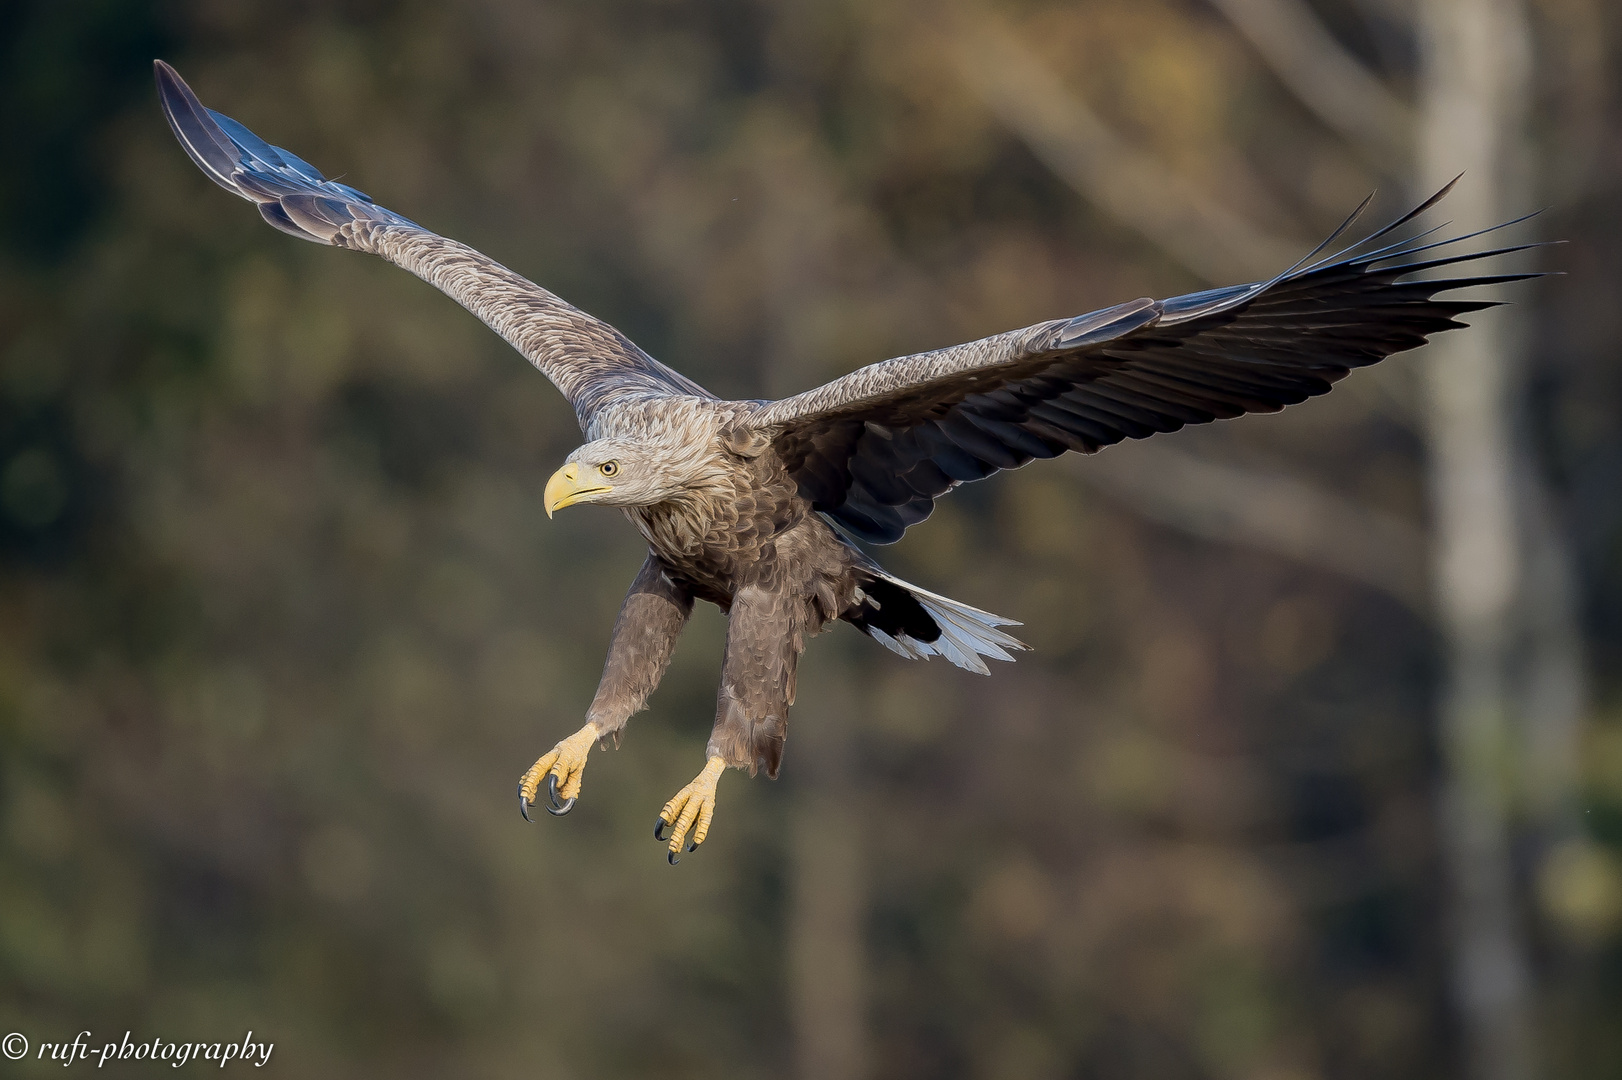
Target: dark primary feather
[[587, 359], [875, 448]]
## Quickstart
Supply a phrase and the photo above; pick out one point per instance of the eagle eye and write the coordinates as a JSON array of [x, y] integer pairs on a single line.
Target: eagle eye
[[609, 468]]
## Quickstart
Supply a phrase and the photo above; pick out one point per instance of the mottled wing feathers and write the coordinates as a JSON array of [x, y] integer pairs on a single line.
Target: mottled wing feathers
[[589, 361], [875, 448]]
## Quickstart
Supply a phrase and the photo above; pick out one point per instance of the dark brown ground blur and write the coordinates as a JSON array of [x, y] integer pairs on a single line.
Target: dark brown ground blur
[[282, 620]]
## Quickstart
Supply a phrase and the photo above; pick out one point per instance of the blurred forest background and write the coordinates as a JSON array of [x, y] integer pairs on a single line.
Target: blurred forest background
[[1315, 771]]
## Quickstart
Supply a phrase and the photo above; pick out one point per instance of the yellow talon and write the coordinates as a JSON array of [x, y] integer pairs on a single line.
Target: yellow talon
[[692, 808], [567, 762]]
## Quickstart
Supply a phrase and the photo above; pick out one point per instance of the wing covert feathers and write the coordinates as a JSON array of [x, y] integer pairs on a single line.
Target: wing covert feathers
[[588, 360], [875, 448]]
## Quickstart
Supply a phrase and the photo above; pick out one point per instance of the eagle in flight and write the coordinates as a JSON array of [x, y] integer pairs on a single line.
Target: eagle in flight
[[754, 506]]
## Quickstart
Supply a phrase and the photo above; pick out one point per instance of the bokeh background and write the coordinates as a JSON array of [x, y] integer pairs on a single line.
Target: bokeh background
[[1315, 770]]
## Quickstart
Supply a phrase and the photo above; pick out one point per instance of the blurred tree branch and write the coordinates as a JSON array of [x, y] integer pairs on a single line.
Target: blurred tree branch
[[1180, 217], [1275, 513], [1327, 79]]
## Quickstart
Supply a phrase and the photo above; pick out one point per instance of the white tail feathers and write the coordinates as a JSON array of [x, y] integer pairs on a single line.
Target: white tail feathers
[[966, 633]]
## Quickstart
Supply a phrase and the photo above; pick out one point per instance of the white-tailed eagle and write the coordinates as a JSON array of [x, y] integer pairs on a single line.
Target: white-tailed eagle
[[753, 505]]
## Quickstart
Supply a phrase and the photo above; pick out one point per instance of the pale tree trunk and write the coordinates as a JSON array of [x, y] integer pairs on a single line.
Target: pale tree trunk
[[1556, 687], [827, 882], [1474, 86], [827, 900]]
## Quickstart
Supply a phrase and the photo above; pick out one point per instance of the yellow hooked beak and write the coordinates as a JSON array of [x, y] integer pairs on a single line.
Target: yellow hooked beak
[[565, 489]]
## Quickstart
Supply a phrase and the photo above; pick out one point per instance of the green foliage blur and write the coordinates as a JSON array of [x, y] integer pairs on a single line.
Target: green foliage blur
[[282, 619]]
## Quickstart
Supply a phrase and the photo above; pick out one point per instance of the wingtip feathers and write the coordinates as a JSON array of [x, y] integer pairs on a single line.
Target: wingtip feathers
[[292, 194]]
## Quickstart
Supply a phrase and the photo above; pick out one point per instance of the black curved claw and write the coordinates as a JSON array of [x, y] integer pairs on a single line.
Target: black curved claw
[[692, 846], [672, 857], [557, 809], [523, 807], [659, 828]]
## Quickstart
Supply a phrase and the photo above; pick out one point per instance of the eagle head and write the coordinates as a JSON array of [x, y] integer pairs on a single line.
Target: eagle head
[[615, 472]]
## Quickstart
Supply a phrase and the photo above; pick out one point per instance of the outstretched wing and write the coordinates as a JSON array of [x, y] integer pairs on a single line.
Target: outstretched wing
[[587, 359], [875, 448]]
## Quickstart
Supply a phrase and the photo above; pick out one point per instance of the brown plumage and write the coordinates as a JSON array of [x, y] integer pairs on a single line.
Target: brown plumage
[[752, 506]]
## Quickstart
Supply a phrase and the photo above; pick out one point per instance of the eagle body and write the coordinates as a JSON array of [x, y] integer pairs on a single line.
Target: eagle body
[[755, 506], [740, 536]]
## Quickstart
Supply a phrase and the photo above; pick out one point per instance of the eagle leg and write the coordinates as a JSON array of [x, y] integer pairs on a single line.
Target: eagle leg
[[691, 808], [564, 766], [650, 620], [764, 639]]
